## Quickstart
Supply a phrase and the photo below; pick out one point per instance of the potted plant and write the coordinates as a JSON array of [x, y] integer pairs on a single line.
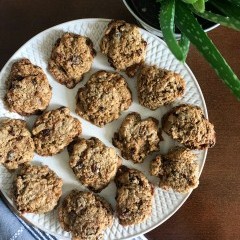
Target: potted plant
[[181, 15]]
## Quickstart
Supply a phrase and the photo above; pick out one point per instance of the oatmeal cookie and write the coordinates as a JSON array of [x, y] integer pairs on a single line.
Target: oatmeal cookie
[[157, 87], [124, 46], [93, 163], [71, 57], [137, 138], [177, 170], [103, 98], [85, 215], [54, 130], [37, 189], [16, 144], [188, 125], [28, 89], [134, 196]]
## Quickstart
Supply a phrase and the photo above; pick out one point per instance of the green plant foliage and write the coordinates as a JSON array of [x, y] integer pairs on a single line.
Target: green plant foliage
[[181, 13], [229, 22], [227, 8], [166, 18], [188, 25]]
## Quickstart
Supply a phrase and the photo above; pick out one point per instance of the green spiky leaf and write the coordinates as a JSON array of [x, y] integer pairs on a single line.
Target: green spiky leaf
[[188, 25]]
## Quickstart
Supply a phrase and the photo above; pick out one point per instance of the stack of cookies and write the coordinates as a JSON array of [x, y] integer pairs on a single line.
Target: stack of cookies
[[106, 94]]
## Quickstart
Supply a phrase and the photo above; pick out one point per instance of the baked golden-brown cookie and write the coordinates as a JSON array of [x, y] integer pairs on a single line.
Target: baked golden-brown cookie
[[177, 170], [157, 87], [71, 57], [85, 215], [134, 196], [93, 163], [124, 46], [54, 130], [16, 144], [187, 124], [137, 138], [36, 189], [28, 89], [103, 98]]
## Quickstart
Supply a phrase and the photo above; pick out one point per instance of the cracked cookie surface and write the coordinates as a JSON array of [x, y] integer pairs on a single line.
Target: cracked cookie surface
[[137, 138], [71, 58], [134, 196], [93, 163], [16, 144], [37, 189], [28, 89], [177, 170], [54, 130], [103, 98], [157, 87], [124, 46], [85, 215], [187, 124]]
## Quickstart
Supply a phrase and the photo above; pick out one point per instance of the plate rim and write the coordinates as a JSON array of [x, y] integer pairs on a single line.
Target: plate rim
[[8, 201]]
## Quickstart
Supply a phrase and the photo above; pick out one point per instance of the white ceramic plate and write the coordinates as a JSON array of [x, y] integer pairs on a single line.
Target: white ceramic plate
[[38, 50]]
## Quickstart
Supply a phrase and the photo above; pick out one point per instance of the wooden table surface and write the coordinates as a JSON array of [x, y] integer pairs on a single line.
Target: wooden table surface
[[213, 209]]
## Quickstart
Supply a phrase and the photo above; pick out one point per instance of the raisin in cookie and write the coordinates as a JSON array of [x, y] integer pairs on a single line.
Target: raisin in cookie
[[71, 57], [16, 144], [188, 125], [103, 98], [54, 130], [134, 196], [28, 90], [85, 215], [124, 46], [93, 163], [177, 170], [157, 87], [137, 138], [37, 189]]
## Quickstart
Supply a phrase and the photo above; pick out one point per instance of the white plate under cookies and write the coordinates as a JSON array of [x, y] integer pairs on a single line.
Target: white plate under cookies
[[38, 50]]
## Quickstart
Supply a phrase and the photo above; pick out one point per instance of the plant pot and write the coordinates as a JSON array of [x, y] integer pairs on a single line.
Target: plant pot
[[146, 13]]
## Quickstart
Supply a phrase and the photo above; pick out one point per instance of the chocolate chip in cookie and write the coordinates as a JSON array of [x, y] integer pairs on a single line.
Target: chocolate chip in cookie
[[85, 215], [28, 89], [103, 98], [187, 124], [37, 189], [124, 46], [157, 87], [54, 130], [134, 196], [71, 58], [16, 144], [137, 138], [177, 170], [93, 163]]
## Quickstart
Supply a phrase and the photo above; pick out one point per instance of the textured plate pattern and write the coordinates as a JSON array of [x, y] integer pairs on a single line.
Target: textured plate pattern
[[38, 50]]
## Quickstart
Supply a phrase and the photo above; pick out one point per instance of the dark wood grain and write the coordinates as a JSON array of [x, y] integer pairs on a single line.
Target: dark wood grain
[[213, 209]]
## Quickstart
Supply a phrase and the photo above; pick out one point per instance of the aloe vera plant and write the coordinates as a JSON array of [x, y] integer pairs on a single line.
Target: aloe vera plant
[[181, 13]]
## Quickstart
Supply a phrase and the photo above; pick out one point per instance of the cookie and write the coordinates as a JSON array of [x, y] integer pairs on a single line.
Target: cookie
[[37, 189], [134, 196], [85, 215], [103, 98], [16, 144], [124, 46], [54, 130], [93, 163], [28, 90], [137, 138], [187, 124], [157, 87], [71, 57], [177, 170]]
